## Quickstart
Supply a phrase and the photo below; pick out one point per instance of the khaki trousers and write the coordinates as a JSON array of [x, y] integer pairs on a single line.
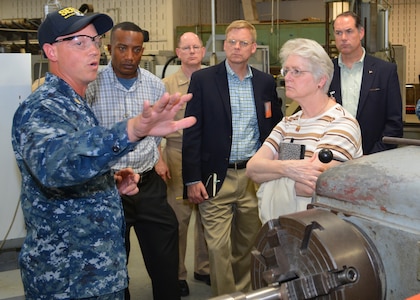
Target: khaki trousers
[[231, 225], [183, 210]]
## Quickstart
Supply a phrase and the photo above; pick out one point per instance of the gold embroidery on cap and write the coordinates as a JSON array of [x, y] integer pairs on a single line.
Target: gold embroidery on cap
[[69, 11]]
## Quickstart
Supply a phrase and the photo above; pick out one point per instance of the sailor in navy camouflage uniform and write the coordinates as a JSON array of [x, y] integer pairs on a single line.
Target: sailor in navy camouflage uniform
[[74, 247], [74, 220]]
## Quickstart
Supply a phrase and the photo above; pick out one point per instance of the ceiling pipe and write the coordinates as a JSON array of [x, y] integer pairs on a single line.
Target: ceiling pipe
[[213, 57]]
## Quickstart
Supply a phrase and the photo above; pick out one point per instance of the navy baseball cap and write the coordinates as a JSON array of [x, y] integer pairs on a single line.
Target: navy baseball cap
[[69, 20]]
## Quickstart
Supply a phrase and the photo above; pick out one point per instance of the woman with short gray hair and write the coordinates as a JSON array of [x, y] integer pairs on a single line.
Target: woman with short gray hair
[[287, 164]]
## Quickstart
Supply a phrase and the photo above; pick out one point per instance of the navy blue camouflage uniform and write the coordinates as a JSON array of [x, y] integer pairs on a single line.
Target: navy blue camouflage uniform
[[74, 246]]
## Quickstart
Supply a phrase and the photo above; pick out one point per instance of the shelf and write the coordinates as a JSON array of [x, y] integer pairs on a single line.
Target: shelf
[[19, 35]]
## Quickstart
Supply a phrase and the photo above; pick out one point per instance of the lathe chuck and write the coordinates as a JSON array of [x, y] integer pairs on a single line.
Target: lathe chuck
[[316, 254]]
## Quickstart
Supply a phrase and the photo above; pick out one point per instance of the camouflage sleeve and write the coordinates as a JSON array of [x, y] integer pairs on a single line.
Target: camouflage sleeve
[[65, 146]]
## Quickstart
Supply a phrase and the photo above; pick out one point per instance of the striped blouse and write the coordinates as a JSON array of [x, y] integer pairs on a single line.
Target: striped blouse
[[336, 129]]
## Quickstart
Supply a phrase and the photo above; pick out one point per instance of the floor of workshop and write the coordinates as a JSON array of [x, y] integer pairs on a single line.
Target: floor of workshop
[[140, 285]]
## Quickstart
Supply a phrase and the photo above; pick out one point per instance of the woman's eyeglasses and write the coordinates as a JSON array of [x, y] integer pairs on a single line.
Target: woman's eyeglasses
[[293, 72]]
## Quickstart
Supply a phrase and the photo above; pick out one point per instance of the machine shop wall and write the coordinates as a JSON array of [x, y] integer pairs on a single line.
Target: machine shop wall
[[403, 30], [161, 17], [153, 15], [193, 12]]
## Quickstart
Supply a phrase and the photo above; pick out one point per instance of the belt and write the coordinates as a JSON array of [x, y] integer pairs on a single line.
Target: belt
[[146, 175], [238, 165]]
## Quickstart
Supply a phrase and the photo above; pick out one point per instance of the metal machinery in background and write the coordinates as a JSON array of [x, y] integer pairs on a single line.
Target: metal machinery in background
[[374, 15], [260, 60], [359, 239], [20, 36]]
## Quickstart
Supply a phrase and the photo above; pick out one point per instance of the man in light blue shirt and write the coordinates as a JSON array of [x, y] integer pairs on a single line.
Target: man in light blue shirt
[[118, 93], [236, 107]]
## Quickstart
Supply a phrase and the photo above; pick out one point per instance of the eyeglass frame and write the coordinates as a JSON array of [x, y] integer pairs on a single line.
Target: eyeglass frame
[[294, 72], [97, 43], [242, 44], [195, 48]]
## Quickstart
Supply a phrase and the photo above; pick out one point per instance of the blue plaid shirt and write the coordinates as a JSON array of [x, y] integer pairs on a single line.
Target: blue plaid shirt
[[112, 103], [245, 140]]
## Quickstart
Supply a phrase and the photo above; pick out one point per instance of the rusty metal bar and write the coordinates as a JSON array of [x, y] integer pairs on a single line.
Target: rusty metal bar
[[400, 141]]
